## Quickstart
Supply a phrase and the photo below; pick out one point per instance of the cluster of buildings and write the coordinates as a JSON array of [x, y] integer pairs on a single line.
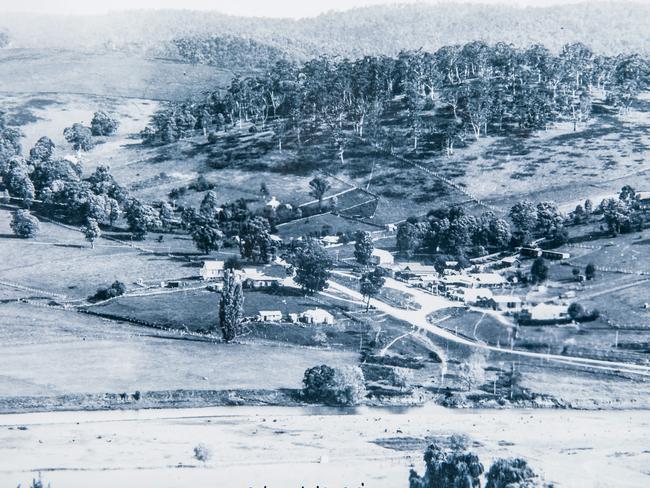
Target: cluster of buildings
[[487, 284], [261, 278], [314, 316], [253, 278]]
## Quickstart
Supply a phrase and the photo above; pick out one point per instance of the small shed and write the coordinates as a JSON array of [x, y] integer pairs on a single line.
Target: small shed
[[329, 241]]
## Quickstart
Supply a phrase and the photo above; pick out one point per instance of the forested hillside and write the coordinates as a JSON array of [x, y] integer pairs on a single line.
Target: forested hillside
[[607, 28], [227, 52], [455, 95]]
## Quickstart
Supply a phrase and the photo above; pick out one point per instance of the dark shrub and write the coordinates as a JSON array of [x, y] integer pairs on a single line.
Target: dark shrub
[[334, 386]]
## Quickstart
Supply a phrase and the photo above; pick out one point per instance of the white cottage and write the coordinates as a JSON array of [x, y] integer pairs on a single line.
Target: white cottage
[[212, 270], [317, 316], [269, 316]]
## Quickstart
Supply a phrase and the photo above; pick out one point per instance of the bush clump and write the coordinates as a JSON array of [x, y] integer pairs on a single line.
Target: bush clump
[[115, 290], [334, 386], [24, 224], [202, 453], [103, 124]]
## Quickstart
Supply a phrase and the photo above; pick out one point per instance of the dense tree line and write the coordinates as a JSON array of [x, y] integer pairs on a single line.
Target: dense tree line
[[472, 90], [453, 231], [225, 52]]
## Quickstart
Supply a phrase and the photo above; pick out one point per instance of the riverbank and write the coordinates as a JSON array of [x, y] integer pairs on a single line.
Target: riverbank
[[291, 397]]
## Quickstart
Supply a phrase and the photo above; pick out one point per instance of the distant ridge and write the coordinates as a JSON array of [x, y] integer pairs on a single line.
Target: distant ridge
[[607, 27]]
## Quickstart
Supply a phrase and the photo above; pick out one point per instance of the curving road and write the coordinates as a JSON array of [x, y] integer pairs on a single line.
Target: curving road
[[432, 303]]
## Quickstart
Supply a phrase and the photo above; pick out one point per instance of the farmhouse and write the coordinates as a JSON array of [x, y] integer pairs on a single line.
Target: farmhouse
[[418, 269], [269, 316], [504, 303], [267, 277], [643, 197], [212, 270], [317, 316], [381, 257]]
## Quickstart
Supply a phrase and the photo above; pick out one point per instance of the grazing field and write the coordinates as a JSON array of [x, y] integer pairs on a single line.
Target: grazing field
[[46, 351], [198, 309], [60, 261]]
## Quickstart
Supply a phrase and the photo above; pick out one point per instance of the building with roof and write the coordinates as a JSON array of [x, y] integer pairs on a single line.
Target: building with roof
[[212, 270], [457, 280], [505, 303], [329, 241], [381, 257], [471, 296], [317, 316], [261, 278], [269, 316], [548, 311], [530, 252], [555, 255], [489, 280]]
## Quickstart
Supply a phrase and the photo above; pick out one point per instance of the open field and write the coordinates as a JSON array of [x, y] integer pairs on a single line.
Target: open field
[[106, 74], [60, 261], [48, 352], [314, 447]]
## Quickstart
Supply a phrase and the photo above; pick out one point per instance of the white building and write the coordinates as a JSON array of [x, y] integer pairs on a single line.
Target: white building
[[489, 280], [329, 241], [259, 279], [269, 316], [317, 316], [548, 311], [471, 296], [506, 303], [457, 280], [380, 257], [212, 270]]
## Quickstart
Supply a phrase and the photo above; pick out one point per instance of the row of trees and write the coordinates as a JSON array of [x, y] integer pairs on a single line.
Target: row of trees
[[475, 89]]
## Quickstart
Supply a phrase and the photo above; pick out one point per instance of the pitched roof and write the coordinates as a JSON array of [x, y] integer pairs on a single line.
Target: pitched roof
[[210, 265]]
